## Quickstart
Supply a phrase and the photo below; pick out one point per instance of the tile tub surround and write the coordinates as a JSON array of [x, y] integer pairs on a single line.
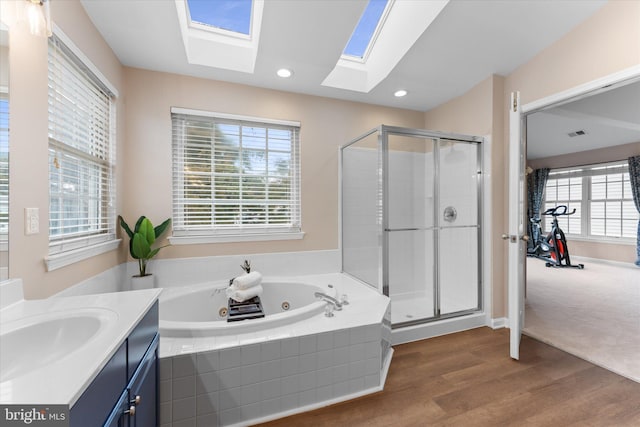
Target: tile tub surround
[[252, 383], [256, 376]]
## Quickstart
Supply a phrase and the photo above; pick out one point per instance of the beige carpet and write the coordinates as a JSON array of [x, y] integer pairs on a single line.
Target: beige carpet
[[592, 313]]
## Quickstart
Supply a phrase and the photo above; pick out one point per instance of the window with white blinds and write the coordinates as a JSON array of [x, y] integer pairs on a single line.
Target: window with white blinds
[[601, 196], [81, 153], [234, 176], [4, 164]]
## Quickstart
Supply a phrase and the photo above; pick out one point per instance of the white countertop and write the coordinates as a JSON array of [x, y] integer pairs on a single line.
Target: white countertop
[[64, 380]]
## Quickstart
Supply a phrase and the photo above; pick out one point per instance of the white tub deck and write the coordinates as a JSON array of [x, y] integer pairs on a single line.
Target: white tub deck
[[254, 376]]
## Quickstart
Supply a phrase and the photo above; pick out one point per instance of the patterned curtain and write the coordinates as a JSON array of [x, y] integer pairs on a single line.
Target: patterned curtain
[[536, 181], [634, 175]]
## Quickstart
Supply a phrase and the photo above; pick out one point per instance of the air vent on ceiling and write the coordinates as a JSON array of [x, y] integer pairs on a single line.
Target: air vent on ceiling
[[577, 133]]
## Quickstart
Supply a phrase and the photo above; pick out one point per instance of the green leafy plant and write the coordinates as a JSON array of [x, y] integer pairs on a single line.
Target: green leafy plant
[[144, 234]]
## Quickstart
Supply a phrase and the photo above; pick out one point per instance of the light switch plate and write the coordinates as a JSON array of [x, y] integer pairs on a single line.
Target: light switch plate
[[31, 221]]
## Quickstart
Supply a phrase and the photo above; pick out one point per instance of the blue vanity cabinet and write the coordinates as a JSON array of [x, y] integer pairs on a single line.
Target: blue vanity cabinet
[[125, 392], [143, 389], [96, 403]]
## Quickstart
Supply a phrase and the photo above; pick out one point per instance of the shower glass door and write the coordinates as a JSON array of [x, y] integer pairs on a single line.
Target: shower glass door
[[409, 227], [411, 215], [458, 224], [362, 210]]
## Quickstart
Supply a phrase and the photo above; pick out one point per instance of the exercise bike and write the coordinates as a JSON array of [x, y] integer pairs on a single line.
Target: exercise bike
[[552, 248]]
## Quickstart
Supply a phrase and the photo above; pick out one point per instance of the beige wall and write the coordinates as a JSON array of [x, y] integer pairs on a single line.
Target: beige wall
[[144, 149], [29, 147], [325, 125], [590, 157], [606, 43], [600, 250], [4, 70]]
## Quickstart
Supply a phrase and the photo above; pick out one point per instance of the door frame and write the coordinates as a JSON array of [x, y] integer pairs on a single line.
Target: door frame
[[594, 87]]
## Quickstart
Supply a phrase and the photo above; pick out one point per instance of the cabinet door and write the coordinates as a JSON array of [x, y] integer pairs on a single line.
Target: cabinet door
[[143, 390], [119, 416], [97, 402]]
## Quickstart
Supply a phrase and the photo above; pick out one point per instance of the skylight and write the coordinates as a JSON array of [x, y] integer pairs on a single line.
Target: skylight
[[398, 27], [365, 31], [230, 15], [221, 33]]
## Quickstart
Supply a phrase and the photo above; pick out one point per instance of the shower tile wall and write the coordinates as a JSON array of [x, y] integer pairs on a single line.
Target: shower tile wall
[[361, 214], [410, 206]]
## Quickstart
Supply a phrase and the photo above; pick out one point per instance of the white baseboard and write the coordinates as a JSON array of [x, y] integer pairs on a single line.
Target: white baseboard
[[586, 260], [499, 323]]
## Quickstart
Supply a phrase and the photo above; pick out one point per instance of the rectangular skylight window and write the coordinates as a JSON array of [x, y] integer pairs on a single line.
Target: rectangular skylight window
[[366, 29], [230, 15]]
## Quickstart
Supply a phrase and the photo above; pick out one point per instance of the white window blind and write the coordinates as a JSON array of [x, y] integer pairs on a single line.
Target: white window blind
[[81, 154], [601, 195], [234, 176], [4, 164]]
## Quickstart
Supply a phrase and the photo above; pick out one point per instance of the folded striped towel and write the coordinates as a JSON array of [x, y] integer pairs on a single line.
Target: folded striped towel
[[247, 281]]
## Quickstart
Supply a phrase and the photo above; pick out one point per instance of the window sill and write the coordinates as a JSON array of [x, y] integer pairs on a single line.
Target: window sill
[[605, 240], [54, 262], [198, 240]]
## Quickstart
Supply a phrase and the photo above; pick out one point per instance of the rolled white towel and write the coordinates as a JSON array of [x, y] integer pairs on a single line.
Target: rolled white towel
[[241, 295], [247, 281]]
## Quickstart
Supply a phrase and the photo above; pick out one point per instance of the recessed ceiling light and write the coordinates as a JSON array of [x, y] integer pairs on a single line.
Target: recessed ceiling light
[[284, 73], [400, 93]]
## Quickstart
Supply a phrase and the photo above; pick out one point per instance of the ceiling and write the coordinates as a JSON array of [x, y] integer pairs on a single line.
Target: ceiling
[[609, 118], [466, 43]]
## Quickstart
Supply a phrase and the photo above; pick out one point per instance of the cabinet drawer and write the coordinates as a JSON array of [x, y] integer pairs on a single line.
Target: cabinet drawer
[[140, 339], [95, 404]]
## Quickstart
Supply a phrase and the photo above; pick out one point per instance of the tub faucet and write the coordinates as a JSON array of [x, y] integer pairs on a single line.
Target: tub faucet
[[331, 300]]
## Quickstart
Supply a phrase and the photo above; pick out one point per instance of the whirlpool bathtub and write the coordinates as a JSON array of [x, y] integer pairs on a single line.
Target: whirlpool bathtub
[[292, 360], [200, 310]]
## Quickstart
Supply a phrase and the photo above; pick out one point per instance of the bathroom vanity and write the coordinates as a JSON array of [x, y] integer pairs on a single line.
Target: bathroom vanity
[[96, 354], [124, 392]]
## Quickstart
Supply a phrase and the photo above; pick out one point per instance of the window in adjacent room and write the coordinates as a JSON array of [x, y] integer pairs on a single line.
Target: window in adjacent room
[[81, 154], [235, 176], [601, 195], [564, 189]]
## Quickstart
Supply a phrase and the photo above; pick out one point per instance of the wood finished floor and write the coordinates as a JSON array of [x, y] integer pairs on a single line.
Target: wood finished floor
[[468, 379]]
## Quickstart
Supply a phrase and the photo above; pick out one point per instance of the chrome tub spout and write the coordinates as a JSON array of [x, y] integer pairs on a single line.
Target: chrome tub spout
[[331, 300]]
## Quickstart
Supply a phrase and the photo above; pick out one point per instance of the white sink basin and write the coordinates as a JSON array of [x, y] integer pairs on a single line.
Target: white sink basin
[[30, 343]]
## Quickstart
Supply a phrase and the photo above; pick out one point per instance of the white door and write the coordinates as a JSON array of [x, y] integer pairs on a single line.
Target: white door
[[516, 237]]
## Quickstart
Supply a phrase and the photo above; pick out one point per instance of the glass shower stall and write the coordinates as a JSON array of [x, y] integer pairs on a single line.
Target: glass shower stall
[[411, 220]]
